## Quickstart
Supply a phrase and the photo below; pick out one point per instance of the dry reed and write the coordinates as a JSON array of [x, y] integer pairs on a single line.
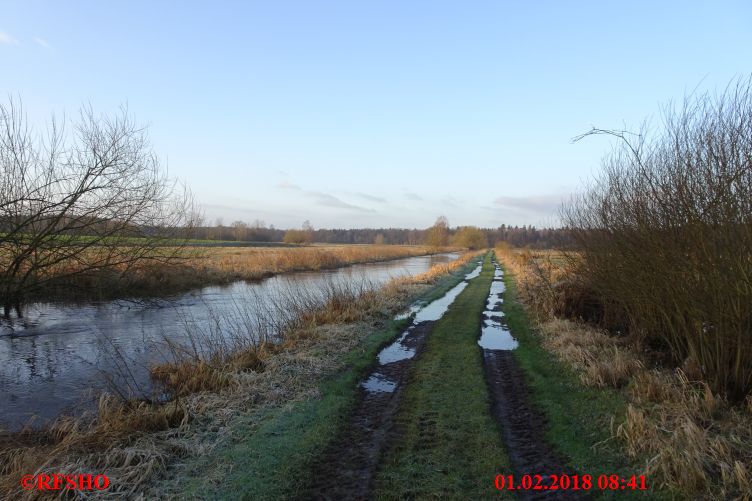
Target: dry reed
[[691, 439]]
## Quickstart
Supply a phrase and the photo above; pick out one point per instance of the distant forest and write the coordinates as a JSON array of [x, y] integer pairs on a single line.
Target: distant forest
[[519, 236]]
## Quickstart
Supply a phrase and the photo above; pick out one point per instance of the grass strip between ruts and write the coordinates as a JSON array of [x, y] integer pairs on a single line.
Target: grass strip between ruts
[[450, 446]]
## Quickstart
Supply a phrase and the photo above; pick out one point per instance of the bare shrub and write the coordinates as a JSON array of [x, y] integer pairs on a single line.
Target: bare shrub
[[76, 204], [665, 235]]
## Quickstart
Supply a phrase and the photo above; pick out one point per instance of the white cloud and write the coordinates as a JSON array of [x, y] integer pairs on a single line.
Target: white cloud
[[42, 42], [284, 185], [371, 197], [328, 200], [451, 201], [7, 39], [537, 204]]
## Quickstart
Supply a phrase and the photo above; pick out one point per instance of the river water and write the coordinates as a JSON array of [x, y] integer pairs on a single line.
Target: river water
[[60, 357]]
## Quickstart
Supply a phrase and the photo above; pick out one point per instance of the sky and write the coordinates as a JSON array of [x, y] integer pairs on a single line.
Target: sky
[[373, 114]]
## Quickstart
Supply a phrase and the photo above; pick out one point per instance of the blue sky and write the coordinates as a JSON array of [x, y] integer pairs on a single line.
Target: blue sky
[[370, 114]]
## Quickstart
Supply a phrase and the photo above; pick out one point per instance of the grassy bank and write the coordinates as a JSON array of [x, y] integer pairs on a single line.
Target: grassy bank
[[268, 454], [667, 423], [450, 446]]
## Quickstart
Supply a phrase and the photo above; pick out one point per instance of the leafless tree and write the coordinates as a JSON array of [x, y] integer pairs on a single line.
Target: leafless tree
[[78, 202], [240, 230], [438, 234]]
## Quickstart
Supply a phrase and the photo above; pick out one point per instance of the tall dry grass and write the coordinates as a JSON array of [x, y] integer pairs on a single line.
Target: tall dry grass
[[193, 267], [690, 438], [542, 278], [217, 378], [252, 263]]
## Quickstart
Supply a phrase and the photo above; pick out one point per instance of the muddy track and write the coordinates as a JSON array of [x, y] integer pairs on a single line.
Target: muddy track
[[346, 469], [523, 427]]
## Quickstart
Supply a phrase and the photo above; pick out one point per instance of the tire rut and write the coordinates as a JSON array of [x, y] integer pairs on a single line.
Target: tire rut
[[523, 427], [346, 469]]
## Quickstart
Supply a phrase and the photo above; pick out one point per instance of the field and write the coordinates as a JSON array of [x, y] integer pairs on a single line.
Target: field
[[169, 270]]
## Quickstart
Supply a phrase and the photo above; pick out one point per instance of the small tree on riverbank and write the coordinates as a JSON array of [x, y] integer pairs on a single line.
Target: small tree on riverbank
[[78, 203], [438, 234], [470, 237]]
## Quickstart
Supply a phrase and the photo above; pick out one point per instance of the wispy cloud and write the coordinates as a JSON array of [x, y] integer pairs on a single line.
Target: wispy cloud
[[538, 204], [413, 196], [451, 201], [7, 39], [328, 200], [42, 42], [371, 197], [284, 185]]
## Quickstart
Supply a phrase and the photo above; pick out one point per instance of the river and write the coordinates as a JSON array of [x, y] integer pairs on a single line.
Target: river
[[59, 357]]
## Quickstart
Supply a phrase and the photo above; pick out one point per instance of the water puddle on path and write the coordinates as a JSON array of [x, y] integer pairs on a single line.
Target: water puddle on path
[[379, 383], [405, 347], [348, 464], [495, 334]]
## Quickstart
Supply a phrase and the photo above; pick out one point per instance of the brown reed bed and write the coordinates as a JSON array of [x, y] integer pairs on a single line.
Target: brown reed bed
[[136, 443], [686, 436], [194, 267]]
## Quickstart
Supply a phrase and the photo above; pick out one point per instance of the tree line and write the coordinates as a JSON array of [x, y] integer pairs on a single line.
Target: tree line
[[518, 236]]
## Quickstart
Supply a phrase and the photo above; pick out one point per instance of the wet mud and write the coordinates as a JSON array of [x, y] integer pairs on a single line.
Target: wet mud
[[523, 427], [346, 470]]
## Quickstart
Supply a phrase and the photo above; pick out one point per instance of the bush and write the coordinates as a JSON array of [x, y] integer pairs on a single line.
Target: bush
[[665, 235], [470, 237]]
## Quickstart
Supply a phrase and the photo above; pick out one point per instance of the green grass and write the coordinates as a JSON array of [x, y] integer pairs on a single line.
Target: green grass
[[450, 446], [578, 416], [273, 453]]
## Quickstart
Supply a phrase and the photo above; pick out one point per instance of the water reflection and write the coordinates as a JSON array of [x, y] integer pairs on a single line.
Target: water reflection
[[495, 334], [55, 360]]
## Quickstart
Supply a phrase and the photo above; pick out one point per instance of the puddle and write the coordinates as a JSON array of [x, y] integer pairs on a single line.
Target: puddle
[[495, 334], [378, 384], [396, 351], [474, 273], [498, 274], [413, 309], [404, 348], [436, 309]]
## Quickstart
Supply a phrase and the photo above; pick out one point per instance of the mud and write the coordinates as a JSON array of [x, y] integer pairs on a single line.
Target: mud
[[523, 427], [347, 467]]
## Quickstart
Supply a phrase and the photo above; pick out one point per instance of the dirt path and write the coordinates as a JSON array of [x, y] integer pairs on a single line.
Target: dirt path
[[523, 427], [350, 467], [347, 467]]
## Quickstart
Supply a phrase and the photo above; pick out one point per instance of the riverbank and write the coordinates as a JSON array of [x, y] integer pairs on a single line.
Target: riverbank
[[194, 267], [137, 444]]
